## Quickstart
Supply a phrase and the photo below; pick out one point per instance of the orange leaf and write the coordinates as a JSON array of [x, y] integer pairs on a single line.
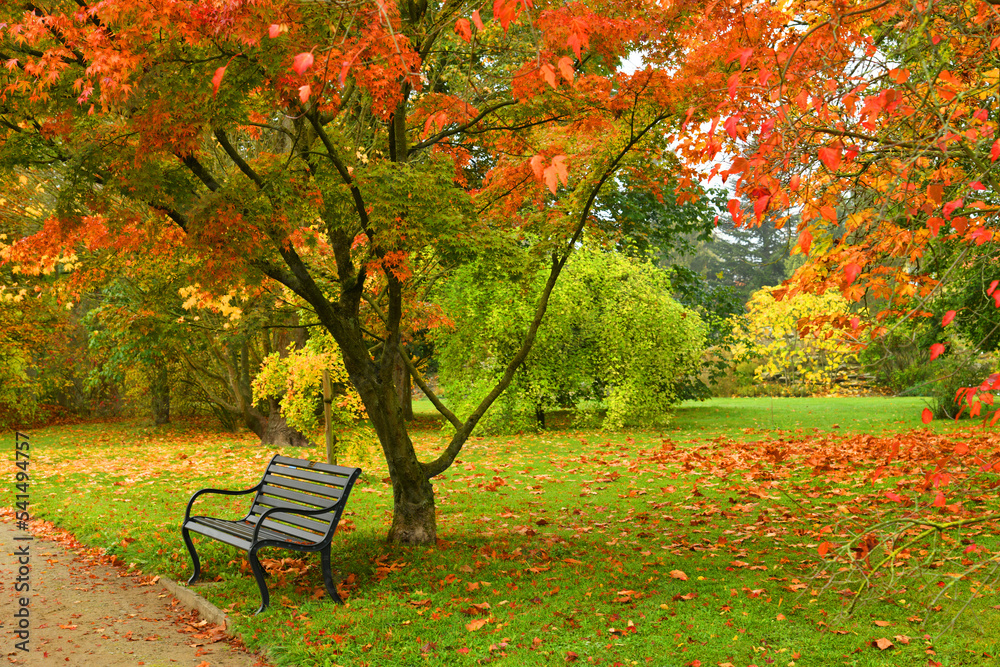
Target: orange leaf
[[537, 167], [472, 626], [730, 126], [302, 62], [962, 448], [824, 548], [551, 179], [760, 206], [882, 643], [805, 241], [678, 574], [793, 184], [851, 271], [217, 80], [559, 162], [830, 156], [575, 42], [566, 68], [995, 151], [926, 416], [948, 317], [899, 75], [463, 29], [744, 55], [937, 349], [476, 20], [939, 500], [304, 92], [950, 207], [549, 75], [274, 30]]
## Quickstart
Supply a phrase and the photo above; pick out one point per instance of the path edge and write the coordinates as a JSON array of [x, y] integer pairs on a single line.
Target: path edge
[[192, 600]]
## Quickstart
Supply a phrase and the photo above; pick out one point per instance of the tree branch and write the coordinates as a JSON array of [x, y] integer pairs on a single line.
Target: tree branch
[[191, 162], [430, 141], [247, 170], [419, 379]]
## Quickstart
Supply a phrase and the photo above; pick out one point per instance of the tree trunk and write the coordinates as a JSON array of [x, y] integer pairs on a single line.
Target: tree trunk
[[159, 390], [272, 429], [401, 378], [413, 516], [278, 433]]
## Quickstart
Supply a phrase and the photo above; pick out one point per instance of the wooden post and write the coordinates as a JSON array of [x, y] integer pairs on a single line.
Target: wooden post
[[331, 457]]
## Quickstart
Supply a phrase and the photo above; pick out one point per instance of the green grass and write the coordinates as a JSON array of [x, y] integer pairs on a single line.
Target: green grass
[[563, 542], [803, 416]]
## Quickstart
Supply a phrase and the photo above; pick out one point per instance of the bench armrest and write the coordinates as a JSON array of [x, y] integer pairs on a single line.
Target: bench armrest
[[225, 492], [303, 512]]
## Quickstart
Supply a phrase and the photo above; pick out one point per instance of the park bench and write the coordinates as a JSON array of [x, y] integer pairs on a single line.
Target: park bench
[[296, 505]]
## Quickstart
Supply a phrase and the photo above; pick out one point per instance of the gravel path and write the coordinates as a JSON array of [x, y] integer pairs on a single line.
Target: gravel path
[[84, 612]]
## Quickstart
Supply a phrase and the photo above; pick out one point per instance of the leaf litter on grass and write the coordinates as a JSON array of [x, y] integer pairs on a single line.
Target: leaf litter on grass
[[568, 543]]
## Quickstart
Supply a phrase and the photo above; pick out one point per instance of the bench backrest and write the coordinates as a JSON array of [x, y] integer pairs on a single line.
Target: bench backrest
[[299, 484]]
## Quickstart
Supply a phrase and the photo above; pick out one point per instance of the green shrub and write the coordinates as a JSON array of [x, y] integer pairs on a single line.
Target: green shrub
[[954, 373]]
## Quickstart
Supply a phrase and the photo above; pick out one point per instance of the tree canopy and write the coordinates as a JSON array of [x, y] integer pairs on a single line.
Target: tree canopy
[[343, 150]]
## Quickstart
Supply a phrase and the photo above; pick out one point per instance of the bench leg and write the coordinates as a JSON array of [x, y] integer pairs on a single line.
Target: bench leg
[[258, 573], [331, 588], [194, 556]]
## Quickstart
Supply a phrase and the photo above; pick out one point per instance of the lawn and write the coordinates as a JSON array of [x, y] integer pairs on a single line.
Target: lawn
[[694, 544]]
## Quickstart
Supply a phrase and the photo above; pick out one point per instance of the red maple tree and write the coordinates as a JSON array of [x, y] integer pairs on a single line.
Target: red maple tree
[[334, 147]]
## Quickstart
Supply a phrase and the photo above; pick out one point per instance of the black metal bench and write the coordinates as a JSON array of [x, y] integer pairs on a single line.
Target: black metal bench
[[297, 506]]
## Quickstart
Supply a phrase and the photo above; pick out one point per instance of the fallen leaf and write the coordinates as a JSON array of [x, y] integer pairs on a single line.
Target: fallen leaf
[[678, 574], [472, 626], [882, 643]]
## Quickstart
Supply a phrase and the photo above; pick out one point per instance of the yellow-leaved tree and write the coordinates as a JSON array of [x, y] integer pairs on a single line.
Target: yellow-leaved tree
[[297, 376], [799, 341]]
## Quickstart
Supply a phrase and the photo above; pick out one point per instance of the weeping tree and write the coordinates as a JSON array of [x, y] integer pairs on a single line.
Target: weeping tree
[[613, 337]]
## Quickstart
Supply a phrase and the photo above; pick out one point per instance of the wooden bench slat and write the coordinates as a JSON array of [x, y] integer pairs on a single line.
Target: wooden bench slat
[[269, 501], [237, 533], [328, 468], [308, 500], [276, 523], [320, 523], [332, 494], [308, 476]]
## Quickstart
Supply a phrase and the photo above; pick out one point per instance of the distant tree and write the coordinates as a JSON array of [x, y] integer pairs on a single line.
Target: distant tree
[[613, 335]]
